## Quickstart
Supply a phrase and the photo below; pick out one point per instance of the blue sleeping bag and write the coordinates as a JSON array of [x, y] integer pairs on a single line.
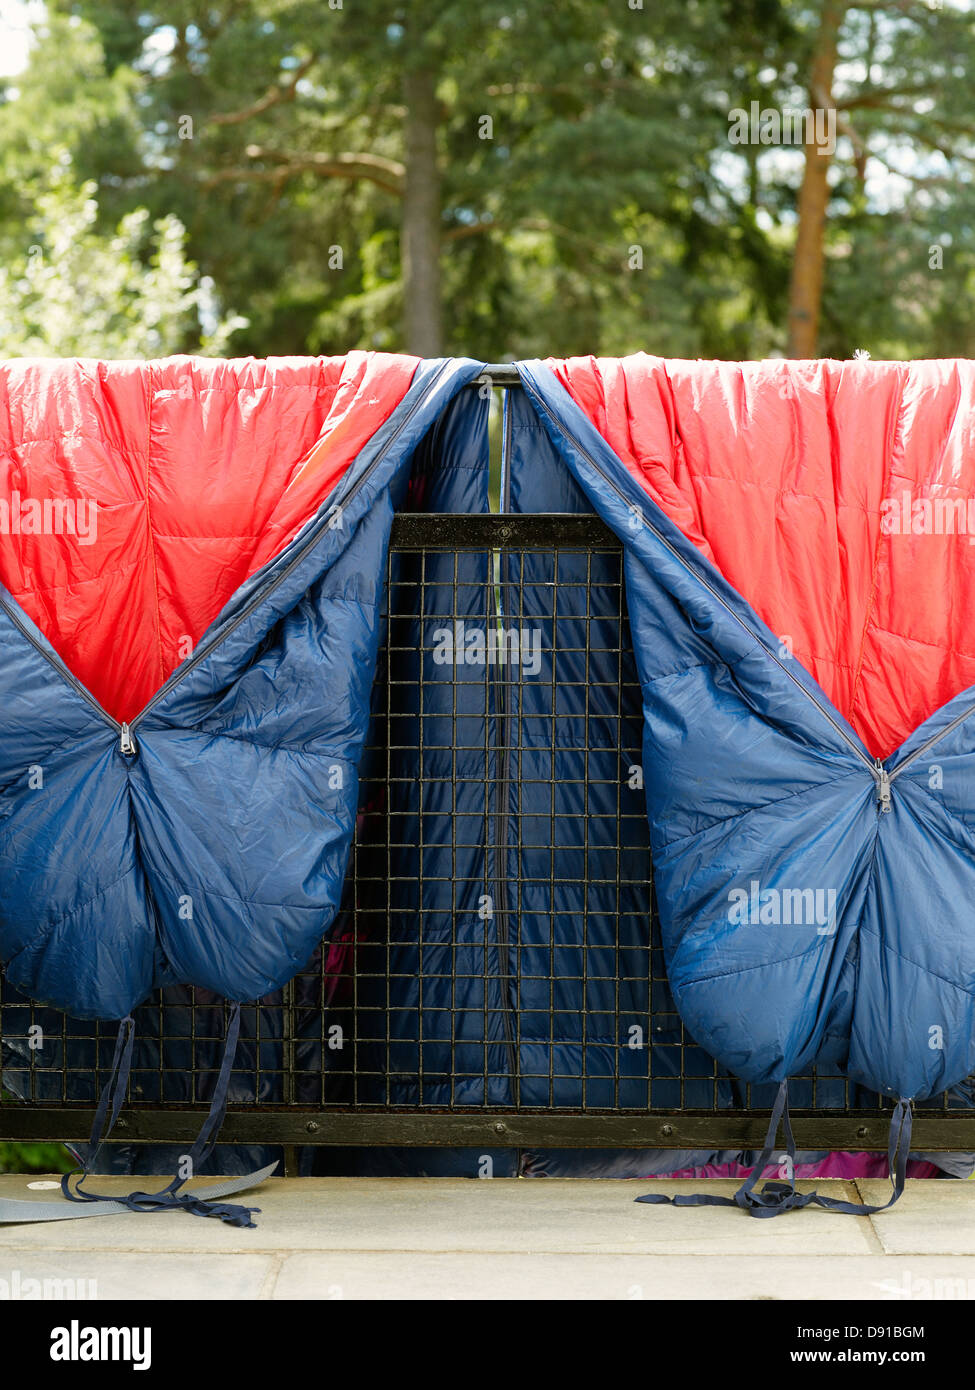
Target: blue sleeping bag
[[812, 855], [178, 766]]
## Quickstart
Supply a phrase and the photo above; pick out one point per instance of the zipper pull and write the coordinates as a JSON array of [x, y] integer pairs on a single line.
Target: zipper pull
[[883, 785], [126, 741]]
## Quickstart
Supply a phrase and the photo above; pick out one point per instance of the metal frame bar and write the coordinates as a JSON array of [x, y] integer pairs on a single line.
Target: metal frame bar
[[498, 374], [490, 1128]]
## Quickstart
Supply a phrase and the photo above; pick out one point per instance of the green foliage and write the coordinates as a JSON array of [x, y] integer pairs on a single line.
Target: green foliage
[[610, 131], [66, 100], [35, 1158], [74, 291]]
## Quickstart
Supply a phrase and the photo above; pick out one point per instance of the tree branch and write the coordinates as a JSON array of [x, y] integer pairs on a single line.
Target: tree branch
[[272, 97], [385, 173], [609, 254], [907, 8], [860, 152], [880, 96]]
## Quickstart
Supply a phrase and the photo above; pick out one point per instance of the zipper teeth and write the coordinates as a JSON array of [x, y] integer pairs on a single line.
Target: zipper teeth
[[504, 754], [906, 762], [67, 674], [60, 667], [864, 757]]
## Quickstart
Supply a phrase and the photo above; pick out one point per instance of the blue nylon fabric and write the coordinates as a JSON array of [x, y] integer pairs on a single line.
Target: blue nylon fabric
[[536, 480], [747, 763], [181, 1036], [232, 804], [566, 779], [594, 808], [438, 824]]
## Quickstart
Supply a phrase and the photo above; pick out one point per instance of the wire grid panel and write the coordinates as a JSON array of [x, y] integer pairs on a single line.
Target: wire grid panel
[[497, 947]]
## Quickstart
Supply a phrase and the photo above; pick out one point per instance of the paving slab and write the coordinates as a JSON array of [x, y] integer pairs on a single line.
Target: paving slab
[[97, 1274], [398, 1275], [456, 1238], [501, 1215], [932, 1217]]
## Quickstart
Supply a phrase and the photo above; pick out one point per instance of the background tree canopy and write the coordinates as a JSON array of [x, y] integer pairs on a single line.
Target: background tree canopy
[[501, 179]]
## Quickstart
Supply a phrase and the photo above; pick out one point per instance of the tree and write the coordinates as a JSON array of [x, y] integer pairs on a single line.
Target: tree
[[346, 126], [893, 73], [806, 287], [509, 179], [74, 292]]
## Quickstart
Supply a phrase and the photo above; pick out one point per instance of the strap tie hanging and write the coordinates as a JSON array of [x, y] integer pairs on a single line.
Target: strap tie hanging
[[776, 1197], [200, 1202]]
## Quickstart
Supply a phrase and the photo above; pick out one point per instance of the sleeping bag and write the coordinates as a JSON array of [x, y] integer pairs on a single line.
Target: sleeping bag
[[800, 571], [192, 555]]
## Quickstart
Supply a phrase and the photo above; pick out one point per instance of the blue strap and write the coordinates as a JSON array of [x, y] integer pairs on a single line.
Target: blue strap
[[776, 1197], [898, 1151], [205, 1141], [169, 1197], [111, 1098], [14, 1209]]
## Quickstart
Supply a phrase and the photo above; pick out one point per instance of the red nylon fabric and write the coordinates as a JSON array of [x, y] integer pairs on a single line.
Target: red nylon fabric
[[816, 489], [201, 470]]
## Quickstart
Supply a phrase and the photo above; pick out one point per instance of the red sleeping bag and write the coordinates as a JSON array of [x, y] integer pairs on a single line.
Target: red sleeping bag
[[837, 497]]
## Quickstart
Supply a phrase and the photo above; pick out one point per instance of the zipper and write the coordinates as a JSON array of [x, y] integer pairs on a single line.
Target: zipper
[[59, 666], [881, 774], [949, 728], [127, 743], [883, 785], [499, 877], [861, 754]]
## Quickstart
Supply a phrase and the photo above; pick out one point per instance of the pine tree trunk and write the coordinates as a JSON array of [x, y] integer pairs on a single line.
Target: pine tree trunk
[[806, 287], [420, 231]]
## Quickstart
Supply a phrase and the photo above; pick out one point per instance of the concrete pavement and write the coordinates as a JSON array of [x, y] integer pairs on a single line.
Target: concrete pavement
[[350, 1238]]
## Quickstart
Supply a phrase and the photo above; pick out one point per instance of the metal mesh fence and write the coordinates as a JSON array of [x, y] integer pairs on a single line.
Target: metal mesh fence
[[495, 971]]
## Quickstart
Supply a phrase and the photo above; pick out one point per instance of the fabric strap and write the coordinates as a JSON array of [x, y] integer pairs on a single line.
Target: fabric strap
[[13, 1209], [776, 1197], [201, 1202]]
